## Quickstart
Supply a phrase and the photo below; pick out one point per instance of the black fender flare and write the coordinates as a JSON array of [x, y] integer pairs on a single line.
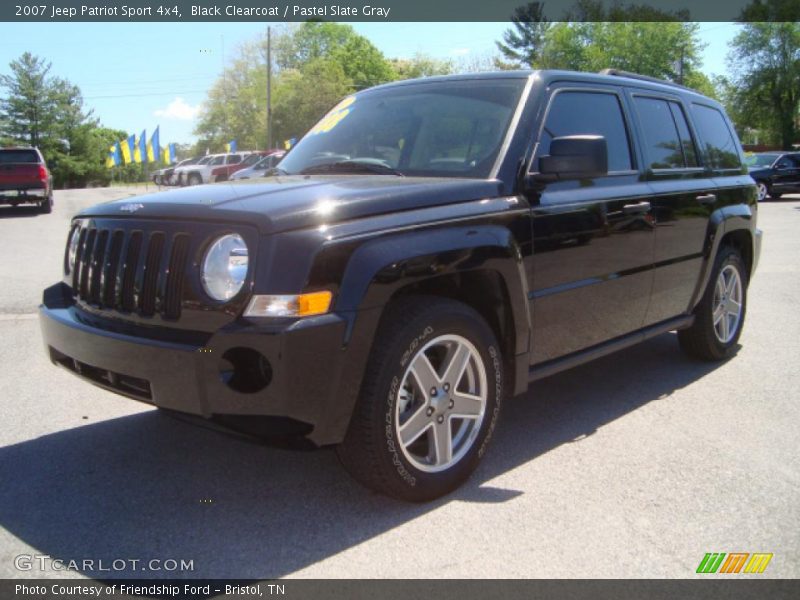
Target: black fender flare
[[724, 220], [380, 267]]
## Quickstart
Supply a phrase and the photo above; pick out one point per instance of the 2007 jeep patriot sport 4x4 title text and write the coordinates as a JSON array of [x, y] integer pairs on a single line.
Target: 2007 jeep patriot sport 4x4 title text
[[429, 248]]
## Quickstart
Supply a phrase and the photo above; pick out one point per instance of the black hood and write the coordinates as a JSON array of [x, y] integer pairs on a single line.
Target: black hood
[[295, 202], [759, 171]]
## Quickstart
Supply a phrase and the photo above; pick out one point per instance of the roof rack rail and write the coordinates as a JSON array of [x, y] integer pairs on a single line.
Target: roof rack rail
[[628, 74]]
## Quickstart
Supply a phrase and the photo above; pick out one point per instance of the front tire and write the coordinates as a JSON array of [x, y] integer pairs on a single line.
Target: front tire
[[195, 179], [429, 402], [719, 316]]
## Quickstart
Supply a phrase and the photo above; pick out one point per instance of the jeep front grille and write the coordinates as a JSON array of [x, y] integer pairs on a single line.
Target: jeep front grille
[[132, 271]]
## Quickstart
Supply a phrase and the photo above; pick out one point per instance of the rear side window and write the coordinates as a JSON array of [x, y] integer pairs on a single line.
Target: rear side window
[[234, 160], [589, 113], [716, 138], [667, 141], [8, 157]]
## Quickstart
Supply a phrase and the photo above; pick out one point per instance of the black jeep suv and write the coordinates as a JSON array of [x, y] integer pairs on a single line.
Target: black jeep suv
[[428, 249]]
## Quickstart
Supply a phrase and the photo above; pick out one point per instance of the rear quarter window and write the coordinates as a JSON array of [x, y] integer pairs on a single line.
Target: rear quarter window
[[666, 138], [716, 138], [18, 156]]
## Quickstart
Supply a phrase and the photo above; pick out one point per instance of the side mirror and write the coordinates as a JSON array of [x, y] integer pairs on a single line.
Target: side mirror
[[575, 157]]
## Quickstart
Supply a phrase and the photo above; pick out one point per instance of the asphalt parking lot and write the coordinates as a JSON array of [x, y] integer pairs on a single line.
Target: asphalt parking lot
[[635, 465]]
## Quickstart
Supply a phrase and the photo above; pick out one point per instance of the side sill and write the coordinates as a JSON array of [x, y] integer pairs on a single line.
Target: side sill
[[557, 365]]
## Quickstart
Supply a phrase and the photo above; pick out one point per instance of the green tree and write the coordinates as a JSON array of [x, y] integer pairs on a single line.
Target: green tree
[[420, 65], [235, 106], [48, 112], [305, 95], [599, 11], [765, 64], [771, 10], [360, 60], [28, 111], [667, 50], [524, 42], [314, 65]]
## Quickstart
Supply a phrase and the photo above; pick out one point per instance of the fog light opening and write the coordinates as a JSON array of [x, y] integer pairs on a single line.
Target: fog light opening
[[245, 370]]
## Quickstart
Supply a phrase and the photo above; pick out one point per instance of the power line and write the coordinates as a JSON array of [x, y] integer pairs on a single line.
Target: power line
[[179, 92]]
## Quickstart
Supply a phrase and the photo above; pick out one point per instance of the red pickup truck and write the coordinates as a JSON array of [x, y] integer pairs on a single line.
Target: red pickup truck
[[24, 178]]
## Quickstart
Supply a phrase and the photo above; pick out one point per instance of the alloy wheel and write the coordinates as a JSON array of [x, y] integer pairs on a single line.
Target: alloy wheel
[[727, 305], [441, 403]]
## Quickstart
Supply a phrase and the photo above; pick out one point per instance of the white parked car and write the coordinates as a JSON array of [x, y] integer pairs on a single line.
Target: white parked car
[[180, 174], [215, 169]]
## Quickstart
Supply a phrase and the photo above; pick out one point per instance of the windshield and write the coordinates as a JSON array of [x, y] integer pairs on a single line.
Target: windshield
[[443, 128], [760, 160], [262, 163], [251, 159]]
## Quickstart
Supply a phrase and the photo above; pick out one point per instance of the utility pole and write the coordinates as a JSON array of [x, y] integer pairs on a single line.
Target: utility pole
[[224, 87], [269, 88]]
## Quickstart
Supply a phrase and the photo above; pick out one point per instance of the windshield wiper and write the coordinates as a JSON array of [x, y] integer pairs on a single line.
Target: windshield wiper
[[352, 166]]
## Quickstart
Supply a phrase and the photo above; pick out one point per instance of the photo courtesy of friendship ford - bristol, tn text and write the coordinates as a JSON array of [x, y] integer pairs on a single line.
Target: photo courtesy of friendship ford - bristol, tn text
[[307, 291]]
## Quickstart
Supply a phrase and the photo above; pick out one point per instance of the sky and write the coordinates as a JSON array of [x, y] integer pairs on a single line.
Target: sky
[[139, 75]]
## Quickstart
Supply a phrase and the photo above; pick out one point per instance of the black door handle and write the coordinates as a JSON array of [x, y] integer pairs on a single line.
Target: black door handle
[[636, 209], [706, 198]]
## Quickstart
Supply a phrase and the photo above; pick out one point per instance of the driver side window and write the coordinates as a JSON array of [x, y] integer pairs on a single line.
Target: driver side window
[[588, 113]]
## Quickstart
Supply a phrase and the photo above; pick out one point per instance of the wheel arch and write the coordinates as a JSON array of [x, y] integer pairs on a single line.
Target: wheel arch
[[733, 226], [456, 262]]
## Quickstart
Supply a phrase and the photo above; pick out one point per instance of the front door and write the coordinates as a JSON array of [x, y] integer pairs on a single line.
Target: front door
[[593, 239]]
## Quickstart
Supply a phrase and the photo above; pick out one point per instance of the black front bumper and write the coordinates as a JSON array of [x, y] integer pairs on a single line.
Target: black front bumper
[[305, 359]]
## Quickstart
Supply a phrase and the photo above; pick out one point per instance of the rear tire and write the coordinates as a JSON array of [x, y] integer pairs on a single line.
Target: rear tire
[[46, 206], [429, 401], [719, 316]]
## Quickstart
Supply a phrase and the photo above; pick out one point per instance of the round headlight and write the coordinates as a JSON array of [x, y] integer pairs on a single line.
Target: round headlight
[[72, 251], [225, 267]]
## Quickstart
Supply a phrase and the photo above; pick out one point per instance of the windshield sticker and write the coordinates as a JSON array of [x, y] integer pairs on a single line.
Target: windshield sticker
[[333, 118]]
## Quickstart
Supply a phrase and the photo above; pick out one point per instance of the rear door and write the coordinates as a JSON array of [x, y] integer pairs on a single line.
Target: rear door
[[684, 195], [593, 239]]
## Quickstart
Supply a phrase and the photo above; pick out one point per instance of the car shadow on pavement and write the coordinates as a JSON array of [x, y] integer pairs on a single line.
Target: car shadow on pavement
[[12, 212], [150, 487]]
